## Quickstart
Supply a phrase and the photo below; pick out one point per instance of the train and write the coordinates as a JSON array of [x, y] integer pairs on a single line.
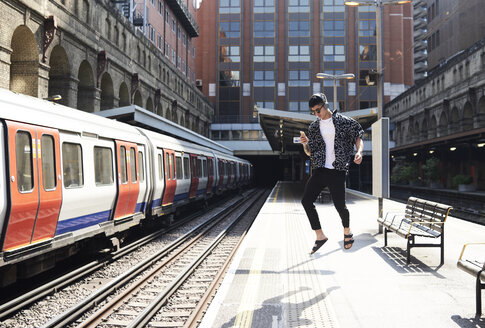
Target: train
[[71, 178]]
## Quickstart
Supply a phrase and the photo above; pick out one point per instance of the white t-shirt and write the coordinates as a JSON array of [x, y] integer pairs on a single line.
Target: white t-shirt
[[327, 129]]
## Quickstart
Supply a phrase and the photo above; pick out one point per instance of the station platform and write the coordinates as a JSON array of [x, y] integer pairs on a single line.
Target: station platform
[[273, 282]]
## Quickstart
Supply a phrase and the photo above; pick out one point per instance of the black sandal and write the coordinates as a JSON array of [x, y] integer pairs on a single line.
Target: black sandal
[[318, 244], [348, 242]]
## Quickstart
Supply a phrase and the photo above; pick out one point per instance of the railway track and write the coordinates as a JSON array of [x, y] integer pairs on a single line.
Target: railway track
[[170, 262]]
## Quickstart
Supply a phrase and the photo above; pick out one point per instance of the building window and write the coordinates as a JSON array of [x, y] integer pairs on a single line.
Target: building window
[[167, 16], [298, 106], [264, 54], [229, 29], [333, 28], [229, 7], [263, 79], [229, 79], [265, 104], [173, 25], [264, 6], [298, 6], [229, 54], [330, 6], [367, 27], [299, 28], [368, 52], [299, 54], [333, 53], [160, 8], [298, 78], [264, 29]]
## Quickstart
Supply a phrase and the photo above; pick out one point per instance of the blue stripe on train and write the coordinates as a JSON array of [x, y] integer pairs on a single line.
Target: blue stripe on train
[[180, 197], [82, 222], [140, 207], [157, 202]]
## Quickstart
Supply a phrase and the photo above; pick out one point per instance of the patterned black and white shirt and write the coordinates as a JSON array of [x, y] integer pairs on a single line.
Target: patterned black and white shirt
[[347, 130]]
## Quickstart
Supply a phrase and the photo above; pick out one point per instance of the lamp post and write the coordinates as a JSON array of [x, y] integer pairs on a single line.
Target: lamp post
[[380, 135], [347, 76]]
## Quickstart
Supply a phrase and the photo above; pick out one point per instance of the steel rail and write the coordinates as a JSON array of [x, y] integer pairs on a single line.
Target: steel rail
[[149, 312], [74, 312]]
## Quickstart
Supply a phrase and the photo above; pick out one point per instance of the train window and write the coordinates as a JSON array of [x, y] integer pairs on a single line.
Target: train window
[[205, 168], [160, 167], [72, 165], [178, 164], [133, 165], [141, 167], [123, 165], [167, 166], [186, 168], [23, 149], [103, 166], [211, 168], [48, 162], [172, 167], [199, 168]]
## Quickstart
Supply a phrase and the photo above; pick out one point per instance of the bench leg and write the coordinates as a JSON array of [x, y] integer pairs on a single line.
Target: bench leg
[[408, 255], [480, 286], [442, 249], [385, 237]]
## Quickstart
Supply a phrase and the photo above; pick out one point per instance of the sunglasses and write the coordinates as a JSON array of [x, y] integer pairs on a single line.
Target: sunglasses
[[316, 110]]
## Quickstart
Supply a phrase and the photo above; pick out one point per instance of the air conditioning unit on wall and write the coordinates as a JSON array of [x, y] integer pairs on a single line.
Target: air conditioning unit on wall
[[198, 83]]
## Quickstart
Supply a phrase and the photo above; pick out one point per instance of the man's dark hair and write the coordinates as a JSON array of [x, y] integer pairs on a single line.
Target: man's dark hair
[[317, 99]]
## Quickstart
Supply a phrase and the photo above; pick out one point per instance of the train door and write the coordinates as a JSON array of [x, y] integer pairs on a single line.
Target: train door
[[35, 194], [194, 179], [210, 179], [170, 179], [128, 185], [221, 174]]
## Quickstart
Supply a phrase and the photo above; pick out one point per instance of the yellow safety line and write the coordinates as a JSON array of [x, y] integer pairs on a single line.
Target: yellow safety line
[[244, 317], [276, 193]]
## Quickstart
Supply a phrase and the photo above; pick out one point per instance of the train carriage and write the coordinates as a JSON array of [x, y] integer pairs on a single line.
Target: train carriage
[[70, 177]]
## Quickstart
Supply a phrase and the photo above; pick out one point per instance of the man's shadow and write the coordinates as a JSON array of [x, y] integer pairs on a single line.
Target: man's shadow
[[271, 311]]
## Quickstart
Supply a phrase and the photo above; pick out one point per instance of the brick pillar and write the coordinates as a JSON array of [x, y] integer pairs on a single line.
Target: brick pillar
[[67, 87], [5, 54], [43, 81]]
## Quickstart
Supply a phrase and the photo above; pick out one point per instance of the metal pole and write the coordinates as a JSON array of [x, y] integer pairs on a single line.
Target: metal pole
[[380, 81], [380, 69], [335, 93]]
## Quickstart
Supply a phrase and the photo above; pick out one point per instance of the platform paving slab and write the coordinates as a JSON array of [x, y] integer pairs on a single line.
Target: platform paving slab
[[274, 282]]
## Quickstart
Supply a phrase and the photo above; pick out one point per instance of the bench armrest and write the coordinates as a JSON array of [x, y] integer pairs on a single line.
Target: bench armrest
[[463, 250]]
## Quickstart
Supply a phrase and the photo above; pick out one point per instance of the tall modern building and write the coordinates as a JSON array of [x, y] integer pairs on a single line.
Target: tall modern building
[[268, 52], [452, 27], [420, 40]]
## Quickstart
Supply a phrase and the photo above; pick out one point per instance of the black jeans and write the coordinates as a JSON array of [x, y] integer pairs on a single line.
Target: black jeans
[[335, 181]]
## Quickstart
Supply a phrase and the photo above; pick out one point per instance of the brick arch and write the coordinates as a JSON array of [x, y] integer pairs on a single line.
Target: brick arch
[[149, 104], [432, 127], [59, 74], [85, 87], [467, 116], [454, 120], [124, 95], [107, 92], [481, 111], [24, 67], [137, 99]]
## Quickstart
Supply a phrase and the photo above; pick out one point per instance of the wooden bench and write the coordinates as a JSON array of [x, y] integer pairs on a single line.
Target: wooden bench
[[422, 218], [475, 267]]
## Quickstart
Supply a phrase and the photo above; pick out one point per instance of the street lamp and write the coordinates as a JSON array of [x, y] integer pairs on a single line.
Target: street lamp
[[380, 69], [347, 76], [380, 135]]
